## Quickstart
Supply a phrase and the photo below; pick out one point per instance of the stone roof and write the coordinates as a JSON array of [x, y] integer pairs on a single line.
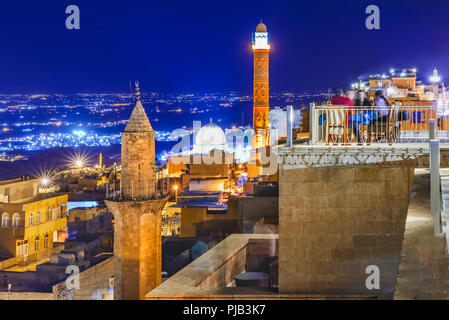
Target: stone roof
[[138, 122]]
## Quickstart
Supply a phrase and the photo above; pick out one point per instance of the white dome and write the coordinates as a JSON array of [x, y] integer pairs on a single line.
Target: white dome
[[210, 135]]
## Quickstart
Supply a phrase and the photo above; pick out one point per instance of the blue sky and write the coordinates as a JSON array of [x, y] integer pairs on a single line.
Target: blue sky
[[205, 45]]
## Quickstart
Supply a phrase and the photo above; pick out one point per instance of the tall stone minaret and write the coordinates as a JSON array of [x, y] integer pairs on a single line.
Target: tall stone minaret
[[137, 212], [261, 48]]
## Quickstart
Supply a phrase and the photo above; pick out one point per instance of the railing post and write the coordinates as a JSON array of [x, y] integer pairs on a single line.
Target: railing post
[[432, 132], [289, 126], [435, 185], [312, 120]]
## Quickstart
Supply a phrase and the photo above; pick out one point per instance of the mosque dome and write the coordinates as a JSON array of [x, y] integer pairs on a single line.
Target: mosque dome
[[210, 136], [261, 27]]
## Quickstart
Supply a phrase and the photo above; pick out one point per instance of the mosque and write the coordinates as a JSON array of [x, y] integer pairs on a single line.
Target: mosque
[[144, 194]]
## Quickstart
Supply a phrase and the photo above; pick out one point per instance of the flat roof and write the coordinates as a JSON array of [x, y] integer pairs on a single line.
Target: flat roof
[[13, 181], [208, 204]]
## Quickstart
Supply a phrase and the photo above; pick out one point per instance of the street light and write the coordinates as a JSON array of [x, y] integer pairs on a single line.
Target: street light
[[175, 188]]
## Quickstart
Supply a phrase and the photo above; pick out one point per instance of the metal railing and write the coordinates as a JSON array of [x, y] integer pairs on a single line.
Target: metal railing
[[365, 125], [138, 190]]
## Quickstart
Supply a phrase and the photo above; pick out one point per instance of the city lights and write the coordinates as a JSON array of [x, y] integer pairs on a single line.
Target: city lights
[[46, 179], [78, 160]]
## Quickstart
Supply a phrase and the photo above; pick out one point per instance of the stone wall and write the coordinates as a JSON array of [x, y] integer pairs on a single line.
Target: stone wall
[[94, 283], [253, 209], [138, 180], [137, 247], [336, 221], [191, 216], [215, 269]]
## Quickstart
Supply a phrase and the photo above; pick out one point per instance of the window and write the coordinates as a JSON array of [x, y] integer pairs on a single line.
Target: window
[[380, 84], [54, 213], [5, 220], [19, 249], [25, 248], [36, 244], [31, 219], [46, 241], [38, 218], [16, 220], [22, 248]]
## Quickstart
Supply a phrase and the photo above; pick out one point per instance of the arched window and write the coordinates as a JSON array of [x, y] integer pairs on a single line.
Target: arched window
[[5, 220], [36, 244], [46, 241], [31, 219], [16, 220], [38, 218]]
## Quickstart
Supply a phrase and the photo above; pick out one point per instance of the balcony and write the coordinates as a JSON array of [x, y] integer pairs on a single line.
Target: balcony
[[373, 125]]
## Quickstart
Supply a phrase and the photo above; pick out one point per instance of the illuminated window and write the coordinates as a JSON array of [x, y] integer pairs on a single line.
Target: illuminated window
[[38, 218], [19, 249], [16, 220], [54, 213], [5, 220], [36, 244], [31, 222], [46, 241], [22, 248], [25, 248]]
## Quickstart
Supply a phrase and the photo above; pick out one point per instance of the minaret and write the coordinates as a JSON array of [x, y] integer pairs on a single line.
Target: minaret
[[138, 155], [137, 213], [261, 48], [100, 161], [435, 79]]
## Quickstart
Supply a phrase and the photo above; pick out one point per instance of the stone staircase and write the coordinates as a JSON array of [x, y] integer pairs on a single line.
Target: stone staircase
[[424, 266]]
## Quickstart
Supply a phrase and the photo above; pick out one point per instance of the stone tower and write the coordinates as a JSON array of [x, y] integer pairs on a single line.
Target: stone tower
[[137, 212], [261, 48]]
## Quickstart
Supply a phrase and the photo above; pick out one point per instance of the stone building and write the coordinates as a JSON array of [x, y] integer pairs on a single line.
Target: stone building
[[137, 213], [29, 220]]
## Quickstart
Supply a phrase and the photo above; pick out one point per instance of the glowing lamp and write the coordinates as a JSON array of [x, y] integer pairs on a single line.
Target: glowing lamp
[[435, 79], [260, 41]]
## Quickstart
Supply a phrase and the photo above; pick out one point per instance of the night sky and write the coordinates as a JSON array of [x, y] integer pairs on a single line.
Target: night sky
[[204, 46]]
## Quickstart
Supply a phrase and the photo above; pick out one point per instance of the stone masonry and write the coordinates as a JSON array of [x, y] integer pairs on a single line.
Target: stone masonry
[[137, 247], [137, 213], [336, 221]]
